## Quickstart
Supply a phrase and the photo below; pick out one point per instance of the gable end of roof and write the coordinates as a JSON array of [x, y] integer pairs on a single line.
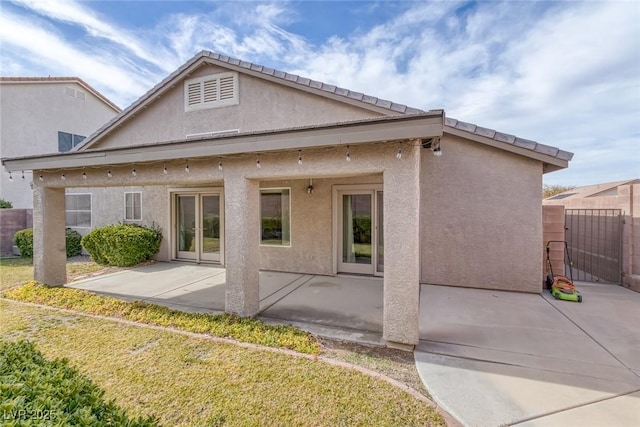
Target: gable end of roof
[[77, 80]]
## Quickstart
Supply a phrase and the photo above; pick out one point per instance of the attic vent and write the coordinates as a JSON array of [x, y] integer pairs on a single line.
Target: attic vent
[[217, 90], [69, 91], [80, 95]]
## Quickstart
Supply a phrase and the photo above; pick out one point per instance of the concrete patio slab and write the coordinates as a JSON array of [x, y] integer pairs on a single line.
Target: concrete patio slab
[[610, 315], [480, 393], [149, 280], [495, 358], [340, 302], [344, 307], [610, 412]]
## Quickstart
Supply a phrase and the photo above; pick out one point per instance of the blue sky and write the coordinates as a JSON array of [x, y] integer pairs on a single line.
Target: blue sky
[[562, 73]]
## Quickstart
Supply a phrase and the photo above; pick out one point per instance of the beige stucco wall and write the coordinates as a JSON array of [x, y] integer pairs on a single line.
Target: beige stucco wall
[[481, 219], [311, 247], [311, 214], [31, 114], [263, 106], [107, 207]]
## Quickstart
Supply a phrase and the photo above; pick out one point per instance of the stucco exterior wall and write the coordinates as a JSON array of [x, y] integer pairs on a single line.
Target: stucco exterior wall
[[481, 218], [311, 247], [31, 114], [107, 208], [263, 105]]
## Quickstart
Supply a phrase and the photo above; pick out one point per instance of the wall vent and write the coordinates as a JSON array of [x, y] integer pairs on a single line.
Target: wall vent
[[213, 91]]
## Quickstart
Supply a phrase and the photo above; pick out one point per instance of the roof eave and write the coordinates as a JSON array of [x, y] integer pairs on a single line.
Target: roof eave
[[400, 128]]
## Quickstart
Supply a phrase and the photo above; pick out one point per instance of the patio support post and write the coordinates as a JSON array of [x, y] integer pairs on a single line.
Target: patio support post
[[242, 251], [49, 246], [401, 250]]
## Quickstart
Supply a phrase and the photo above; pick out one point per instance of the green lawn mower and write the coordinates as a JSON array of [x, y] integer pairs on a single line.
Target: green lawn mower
[[560, 287]]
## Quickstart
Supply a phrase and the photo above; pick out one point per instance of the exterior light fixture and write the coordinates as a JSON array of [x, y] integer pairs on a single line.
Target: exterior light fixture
[[258, 165], [310, 186], [40, 178], [62, 177], [164, 170], [10, 177], [399, 154], [84, 175], [348, 157], [299, 157], [133, 172], [220, 165], [186, 168], [22, 178], [109, 175]]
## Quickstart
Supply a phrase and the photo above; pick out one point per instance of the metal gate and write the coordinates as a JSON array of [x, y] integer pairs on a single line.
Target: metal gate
[[594, 237]]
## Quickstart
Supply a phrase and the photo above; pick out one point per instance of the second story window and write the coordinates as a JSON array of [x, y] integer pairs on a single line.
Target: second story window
[[66, 141]]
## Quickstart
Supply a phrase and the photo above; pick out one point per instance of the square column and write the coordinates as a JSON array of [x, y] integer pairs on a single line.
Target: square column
[[242, 250], [49, 245], [402, 250]]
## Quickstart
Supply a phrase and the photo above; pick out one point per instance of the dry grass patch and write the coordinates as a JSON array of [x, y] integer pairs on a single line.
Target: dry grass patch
[[184, 380], [17, 271]]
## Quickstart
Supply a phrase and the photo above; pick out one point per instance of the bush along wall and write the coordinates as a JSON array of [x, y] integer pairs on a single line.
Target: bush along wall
[[23, 239], [122, 245]]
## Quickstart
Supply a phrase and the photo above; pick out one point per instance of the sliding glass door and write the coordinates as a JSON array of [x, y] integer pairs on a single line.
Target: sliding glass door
[[360, 237], [198, 227]]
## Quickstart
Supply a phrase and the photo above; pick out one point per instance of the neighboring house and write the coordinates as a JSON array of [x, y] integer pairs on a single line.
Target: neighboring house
[[594, 232], [42, 115], [255, 168]]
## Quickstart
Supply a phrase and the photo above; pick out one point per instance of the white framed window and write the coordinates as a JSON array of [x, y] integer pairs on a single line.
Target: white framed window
[[133, 207], [275, 216], [213, 91], [78, 210]]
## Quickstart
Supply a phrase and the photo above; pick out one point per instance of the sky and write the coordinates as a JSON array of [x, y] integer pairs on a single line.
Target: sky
[[563, 73]]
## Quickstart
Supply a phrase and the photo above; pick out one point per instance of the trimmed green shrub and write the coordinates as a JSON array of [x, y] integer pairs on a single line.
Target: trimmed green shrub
[[5, 204], [73, 241], [37, 391], [23, 239], [122, 245]]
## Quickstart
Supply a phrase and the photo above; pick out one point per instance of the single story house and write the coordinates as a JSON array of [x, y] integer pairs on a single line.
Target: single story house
[[254, 168]]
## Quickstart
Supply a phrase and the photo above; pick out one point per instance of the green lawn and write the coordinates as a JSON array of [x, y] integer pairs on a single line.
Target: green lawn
[[16, 271], [186, 380]]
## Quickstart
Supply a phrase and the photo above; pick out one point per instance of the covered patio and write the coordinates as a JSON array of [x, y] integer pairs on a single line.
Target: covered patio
[[344, 307], [238, 169]]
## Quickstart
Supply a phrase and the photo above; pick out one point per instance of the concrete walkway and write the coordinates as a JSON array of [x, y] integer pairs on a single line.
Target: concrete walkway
[[343, 307], [493, 358]]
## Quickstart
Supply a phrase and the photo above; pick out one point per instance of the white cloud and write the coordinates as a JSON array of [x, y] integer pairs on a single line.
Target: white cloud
[[52, 53], [565, 74], [75, 13]]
